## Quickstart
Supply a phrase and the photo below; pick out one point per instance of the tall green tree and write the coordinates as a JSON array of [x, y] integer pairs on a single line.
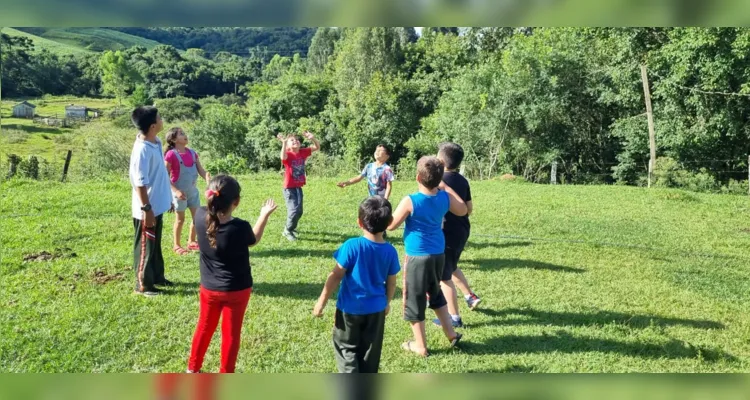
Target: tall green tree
[[322, 48], [118, 77]]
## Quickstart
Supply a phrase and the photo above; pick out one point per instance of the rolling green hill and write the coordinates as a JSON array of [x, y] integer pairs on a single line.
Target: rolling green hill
[[43, 43], [90, 39]]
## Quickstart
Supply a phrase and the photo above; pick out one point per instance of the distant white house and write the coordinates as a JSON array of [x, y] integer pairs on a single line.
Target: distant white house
[[74, 111], [24, 109]]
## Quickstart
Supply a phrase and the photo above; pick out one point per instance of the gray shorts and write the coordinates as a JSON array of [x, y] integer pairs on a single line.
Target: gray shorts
[[192, 200], [421, 286]]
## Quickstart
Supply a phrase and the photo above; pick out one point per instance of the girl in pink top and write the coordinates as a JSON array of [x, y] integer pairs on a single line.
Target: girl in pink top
[[184, 168]]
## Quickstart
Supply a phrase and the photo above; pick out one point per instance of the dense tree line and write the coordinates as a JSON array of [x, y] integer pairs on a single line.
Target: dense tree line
[[283, 41], [518, 100]]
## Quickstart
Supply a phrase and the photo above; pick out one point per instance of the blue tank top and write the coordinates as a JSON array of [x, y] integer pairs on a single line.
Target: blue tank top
[[423, 235]]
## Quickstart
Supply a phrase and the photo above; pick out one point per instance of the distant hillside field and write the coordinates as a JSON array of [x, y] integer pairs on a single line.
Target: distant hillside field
[[90, 39], [43, 43]]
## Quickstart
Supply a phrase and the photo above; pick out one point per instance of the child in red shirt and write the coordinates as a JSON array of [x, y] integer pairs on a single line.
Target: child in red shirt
[[293, 158]]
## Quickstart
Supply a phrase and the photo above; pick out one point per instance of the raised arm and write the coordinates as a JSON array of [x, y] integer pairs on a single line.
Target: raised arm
[[351, 181], [260, 225], [402, 212], [283, 146], [316, 144]]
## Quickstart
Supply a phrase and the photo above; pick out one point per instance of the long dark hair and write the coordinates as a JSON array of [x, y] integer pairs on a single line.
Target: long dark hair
[[223, 191], [171, 136]]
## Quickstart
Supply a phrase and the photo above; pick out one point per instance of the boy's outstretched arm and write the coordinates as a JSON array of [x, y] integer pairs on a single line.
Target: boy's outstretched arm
[[390, 290], [458, 207], [333, 281], [283, 146], [316, 143], [352, 181], [403, 211]]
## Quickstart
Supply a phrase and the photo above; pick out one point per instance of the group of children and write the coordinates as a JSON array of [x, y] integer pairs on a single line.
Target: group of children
[[436, 219]]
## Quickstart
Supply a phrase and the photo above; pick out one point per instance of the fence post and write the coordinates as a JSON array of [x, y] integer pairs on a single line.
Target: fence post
[[67, 164], [553, 174], [650, 116], [13, 161]]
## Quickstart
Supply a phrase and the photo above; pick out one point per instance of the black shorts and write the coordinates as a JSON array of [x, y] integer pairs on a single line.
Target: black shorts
[[453, 250], [422, 285]]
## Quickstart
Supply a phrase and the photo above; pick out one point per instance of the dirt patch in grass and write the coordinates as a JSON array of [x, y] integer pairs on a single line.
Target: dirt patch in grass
[[102, 278], [48, 256]]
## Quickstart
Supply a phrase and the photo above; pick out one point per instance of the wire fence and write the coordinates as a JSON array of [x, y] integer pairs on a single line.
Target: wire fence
[[484, 236]]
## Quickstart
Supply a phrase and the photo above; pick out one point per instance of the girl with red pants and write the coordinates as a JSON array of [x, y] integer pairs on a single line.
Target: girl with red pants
[[226, 279]]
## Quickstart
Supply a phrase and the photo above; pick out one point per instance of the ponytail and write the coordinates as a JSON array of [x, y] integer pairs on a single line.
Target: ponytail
[[212, 221], [223, 191]]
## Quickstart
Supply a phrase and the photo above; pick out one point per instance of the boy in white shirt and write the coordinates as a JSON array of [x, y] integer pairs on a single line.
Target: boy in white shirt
[[152, 197]]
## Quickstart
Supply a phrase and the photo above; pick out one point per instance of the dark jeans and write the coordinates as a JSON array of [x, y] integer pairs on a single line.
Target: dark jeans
[[293, 199], [148, 261]]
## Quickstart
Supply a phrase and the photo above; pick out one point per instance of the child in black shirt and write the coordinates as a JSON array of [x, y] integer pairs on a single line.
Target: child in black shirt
[[226, 279], [456, 231]]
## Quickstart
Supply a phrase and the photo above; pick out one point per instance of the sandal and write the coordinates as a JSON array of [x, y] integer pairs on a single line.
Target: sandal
[[455, 340], [193, 246], [407, 346], [179, 251]]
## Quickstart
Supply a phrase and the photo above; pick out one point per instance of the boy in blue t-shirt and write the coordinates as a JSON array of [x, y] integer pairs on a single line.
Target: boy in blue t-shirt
[[424, 243], [379, 174], [366, 268]]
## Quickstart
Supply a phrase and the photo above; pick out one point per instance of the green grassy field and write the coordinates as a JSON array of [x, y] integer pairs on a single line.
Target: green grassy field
[[573, 279], [23, 137], [80, 40], [43, 43]]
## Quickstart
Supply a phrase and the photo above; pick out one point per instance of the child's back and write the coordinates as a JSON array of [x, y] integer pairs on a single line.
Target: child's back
[[368, 265], [460, 185], [423, 235], [366, 269]]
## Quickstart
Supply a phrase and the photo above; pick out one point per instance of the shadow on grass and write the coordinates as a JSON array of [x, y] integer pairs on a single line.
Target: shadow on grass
[[509, 369], [291, 290], [599, 318], [291, 252], [33, 128], [563, 342], [503, 245], [339, 238], [515, 263]]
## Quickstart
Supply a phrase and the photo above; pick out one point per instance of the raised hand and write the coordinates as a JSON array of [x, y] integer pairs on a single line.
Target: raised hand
[[268, 207], [309, 135]]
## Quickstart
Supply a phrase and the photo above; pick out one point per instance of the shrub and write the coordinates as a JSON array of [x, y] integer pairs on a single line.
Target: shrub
[[668, 173], [325, 166], [29, 168], [231, 164], [177, 108], [735, 187]]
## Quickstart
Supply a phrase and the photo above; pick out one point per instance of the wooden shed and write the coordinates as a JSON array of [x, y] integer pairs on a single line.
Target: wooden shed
[[24, 109], [74, 111]]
